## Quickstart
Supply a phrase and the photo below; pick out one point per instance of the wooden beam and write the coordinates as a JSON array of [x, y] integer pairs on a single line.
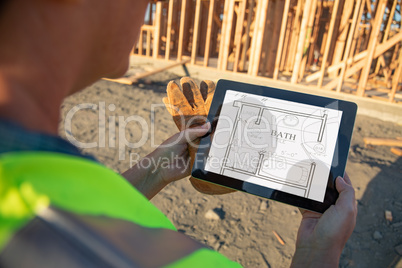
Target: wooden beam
[[307, 44], [349, 43], [256, 46], [227, 35], [328, 42], [386, 32], [239, 32], [195, 31], [148, 50], [294, 35], [140, 42], [301, 42], [247, 34], [209, 30], [343, 32], [181, 31], [397, 151], [360, 64], [157, 22], [371, 47], [169, 29], [134, 78], [223, 34], [382, 141], [281, 39], [397, 79]]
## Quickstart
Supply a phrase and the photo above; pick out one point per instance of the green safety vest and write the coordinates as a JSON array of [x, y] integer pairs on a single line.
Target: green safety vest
[[93, 208]]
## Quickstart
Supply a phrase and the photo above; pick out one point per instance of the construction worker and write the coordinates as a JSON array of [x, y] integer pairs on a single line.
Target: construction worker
[[60, 208]]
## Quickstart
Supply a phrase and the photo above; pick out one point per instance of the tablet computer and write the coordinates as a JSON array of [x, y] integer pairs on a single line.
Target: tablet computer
[[282, 145]]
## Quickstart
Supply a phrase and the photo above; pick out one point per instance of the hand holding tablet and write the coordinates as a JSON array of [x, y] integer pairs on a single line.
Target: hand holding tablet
[[282, 145]]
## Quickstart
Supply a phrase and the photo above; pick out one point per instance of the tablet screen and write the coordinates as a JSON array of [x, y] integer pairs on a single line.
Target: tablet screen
[[283, 145], [275, 143]]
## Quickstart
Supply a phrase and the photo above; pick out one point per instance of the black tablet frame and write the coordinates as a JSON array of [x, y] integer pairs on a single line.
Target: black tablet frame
[[349, 110]]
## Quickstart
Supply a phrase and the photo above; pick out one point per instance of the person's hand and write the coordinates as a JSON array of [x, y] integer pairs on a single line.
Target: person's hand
[[173, 154], [168, 163], [322, 237], [189, 106]]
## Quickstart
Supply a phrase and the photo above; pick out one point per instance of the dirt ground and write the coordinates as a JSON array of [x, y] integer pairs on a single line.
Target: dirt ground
[[239, 225]]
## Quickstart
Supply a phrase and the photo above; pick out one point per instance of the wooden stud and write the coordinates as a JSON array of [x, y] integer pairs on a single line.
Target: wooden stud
[[247, 34], [195, 31], [209, 30], [169, 29], [294, 37], [316, 29], [386, 32], [328, 43], [140, 42], [395, 82], [223, 34], [307, 41], [371, 47], [286, 42], [239, 31], [342, 36], [258, 35], [301, 42], [148, 50], [281, 39], [181, 32], [157, 22], [349, 43]]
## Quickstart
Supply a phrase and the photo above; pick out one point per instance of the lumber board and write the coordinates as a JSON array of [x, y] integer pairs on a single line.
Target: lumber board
[[247, 34], [223, 33], [397, 78], [148, 49], [386, 33], [294, 35], [371, 47], [258, 36], [140, 42], [382, 141], [397, 151], [181, 30], [157, 30], [328, 42], [281, 39], [380, 49], [134, 78], [196, 31], [209, 31], [344, 32], [301, 41], [227, 35], [239, 32], [307, 44], [169, 29], [349, 44]]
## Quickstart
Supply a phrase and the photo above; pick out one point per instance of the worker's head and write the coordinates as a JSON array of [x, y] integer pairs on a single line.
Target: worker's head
[[93, 37]]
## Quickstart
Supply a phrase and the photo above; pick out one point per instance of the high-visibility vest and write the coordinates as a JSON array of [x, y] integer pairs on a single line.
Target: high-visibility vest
[[47, 199]]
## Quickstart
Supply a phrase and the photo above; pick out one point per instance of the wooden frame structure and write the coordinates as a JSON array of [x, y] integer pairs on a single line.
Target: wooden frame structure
[[341, 45]]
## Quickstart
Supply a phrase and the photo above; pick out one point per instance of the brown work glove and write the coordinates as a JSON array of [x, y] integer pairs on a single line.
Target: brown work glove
[[189, 107]]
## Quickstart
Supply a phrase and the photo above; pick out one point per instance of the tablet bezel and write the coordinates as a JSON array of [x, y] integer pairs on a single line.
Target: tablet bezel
[[349, 110]]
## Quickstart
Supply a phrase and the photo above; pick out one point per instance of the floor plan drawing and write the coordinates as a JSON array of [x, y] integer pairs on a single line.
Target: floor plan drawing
[[275, 143]]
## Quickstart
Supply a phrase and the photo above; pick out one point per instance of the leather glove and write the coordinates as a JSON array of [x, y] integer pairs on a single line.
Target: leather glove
[[189, 107]]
